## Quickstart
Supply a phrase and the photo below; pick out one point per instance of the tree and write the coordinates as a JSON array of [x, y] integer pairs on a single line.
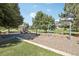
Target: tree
[[26, 25], [43, 21], [10, 16], [64, 24], [73, 8]]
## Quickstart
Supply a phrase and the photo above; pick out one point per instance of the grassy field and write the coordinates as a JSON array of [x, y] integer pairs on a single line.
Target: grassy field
[[2, 29], [18, 48]]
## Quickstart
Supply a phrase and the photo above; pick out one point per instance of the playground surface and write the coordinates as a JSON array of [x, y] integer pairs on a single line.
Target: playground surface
[[59, 42]]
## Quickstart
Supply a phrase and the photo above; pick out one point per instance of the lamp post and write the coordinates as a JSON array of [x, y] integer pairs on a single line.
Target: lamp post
[[49, 28], [68, 21], [70, 17], [70, 30]]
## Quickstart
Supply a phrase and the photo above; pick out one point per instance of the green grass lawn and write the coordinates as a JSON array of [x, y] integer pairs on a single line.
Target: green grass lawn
[[23, 49], [62, 31]]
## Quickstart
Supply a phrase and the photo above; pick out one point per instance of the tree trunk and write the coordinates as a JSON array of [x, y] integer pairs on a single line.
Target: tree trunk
[[46, 31], [8, 30], [76, 29], [36, 31]]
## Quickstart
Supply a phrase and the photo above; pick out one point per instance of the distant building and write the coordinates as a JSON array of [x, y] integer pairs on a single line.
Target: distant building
[[57, 24]]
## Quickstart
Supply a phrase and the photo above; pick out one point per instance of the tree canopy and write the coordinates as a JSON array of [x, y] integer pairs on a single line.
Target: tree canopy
[[74, 9], [43, 21], [10, 16]]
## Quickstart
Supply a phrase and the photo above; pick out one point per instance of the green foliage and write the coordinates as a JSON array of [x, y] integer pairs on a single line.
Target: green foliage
[[10, 15], [26, 25], [64, 24], [73, 8], [43, 21]]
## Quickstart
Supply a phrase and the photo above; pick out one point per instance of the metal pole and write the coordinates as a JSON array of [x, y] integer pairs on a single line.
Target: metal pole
[[70, 30], [48, 30]]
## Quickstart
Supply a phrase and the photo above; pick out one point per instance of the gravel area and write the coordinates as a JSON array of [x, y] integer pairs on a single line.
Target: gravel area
[[59, 42]]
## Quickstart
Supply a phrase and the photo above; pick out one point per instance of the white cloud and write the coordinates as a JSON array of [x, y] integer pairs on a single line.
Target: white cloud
[[48, 10], [32, 14]]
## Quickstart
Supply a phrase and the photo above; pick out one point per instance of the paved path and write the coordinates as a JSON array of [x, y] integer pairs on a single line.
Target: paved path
[[11, 36], [59, 42]]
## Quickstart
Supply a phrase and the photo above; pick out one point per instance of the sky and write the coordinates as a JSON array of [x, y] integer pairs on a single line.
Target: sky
[[29, 10]]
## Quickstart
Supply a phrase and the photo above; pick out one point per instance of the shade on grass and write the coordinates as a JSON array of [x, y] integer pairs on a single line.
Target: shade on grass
[[24, 49]]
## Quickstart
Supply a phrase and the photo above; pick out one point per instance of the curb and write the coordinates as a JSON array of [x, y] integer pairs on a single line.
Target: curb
[[46, 47]]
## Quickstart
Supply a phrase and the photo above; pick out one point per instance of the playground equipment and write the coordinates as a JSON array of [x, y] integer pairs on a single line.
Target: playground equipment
[[23, 29]]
